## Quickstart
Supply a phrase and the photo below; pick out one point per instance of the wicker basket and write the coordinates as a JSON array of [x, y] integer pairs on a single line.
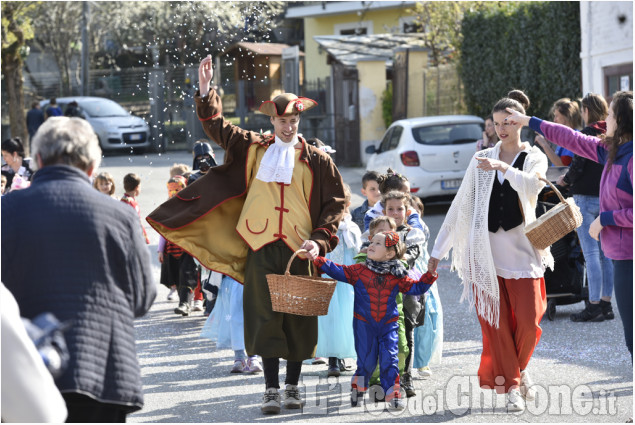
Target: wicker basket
[[555, 223], [301, 295]]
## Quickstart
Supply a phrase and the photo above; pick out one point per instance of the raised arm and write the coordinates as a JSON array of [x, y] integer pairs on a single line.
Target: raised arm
[[205, 74], [577, 142]]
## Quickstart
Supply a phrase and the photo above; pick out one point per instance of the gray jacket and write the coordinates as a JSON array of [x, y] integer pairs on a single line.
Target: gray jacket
[[72, 251]]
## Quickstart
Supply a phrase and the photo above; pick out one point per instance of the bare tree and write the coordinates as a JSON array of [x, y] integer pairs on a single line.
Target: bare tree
[[57, 29], [185, 30]]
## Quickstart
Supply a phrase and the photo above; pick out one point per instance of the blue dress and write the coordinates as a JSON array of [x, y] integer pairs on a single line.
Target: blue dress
[[225, 326], [428, 341], [335, 330]]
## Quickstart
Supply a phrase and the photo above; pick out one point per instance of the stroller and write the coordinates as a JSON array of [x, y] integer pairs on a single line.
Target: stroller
[[567, 283]]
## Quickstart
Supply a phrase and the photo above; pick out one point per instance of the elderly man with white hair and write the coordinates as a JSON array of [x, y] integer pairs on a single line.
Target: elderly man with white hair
[[69, 250]]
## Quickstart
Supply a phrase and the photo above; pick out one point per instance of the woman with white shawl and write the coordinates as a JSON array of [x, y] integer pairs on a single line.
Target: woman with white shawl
[[502, 273]]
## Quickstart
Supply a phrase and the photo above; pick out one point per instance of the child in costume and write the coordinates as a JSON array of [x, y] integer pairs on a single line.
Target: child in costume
[[397, 205], [226, 327], [335, 330], [169, 253], [178, 268], [132, 186], [428, 338], [376, 284], [392, 181], [378, 225]]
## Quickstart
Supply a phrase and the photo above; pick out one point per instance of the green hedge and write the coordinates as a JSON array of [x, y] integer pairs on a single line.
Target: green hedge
[[533, 46]]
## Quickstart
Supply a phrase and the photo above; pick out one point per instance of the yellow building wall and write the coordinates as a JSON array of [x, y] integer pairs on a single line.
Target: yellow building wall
[[417, 63], [372, 83], [384, 21]]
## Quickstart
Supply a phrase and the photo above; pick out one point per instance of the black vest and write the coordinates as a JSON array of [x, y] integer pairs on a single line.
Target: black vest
[[504, 205]]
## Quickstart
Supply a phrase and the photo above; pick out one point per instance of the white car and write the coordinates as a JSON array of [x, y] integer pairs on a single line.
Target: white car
[[432, 152], [115, 127]]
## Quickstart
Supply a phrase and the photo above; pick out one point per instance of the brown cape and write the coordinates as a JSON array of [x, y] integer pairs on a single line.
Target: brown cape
[[202, 217]]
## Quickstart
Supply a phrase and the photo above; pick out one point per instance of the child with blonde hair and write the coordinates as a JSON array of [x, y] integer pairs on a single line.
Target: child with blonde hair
[[105, 183], [180, 170]]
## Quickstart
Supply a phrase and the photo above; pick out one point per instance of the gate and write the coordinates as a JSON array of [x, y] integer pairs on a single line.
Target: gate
[[400, 86], [346, 111]]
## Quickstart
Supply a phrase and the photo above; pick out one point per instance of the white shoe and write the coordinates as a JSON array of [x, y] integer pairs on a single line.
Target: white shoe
[[198, 305], [172, 295], [526, 386], [425, 372], [253, 365], [270, 401], [239, 366], [291, 397], [515, 402], [396, 404]]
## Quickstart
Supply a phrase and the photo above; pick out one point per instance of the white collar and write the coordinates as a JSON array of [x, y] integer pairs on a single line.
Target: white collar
[[278, 162]]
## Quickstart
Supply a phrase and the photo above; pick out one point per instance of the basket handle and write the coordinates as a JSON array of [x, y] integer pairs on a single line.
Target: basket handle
[[555, 189], [299, 251]]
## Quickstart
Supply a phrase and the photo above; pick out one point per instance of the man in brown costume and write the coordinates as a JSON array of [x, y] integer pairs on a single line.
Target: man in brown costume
[[273, 195]]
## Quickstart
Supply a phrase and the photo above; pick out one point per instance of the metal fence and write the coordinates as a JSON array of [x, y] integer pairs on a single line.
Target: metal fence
[[132, 88], [129, 87], [443, 92]]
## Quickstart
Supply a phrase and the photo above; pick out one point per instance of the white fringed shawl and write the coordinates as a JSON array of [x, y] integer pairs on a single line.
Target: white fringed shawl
[[467, 227]]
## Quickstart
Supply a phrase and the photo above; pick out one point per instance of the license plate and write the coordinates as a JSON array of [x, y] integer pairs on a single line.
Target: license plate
[[450, 184], [135, 137]]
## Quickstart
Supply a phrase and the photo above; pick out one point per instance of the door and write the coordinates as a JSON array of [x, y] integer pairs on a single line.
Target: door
[[400, 86], [346, 111]]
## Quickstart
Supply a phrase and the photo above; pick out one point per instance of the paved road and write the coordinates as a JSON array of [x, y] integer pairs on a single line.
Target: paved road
[[582, 369]]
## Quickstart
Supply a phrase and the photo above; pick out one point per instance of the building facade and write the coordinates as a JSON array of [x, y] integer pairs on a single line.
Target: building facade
[[346, 18], [607, 46]]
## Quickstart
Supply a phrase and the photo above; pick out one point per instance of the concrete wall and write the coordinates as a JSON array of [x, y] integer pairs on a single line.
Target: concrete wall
[[376, 21], [372, 83], [605, 41]]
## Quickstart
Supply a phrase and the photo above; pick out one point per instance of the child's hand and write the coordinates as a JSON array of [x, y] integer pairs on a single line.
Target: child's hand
[[432, 276], [161, 257]]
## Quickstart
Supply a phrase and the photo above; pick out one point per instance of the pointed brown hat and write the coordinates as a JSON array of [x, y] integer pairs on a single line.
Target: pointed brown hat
[[286, 104]]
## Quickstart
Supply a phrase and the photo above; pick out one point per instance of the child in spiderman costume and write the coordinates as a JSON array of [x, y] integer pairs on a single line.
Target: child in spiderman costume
[[377, 283]]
